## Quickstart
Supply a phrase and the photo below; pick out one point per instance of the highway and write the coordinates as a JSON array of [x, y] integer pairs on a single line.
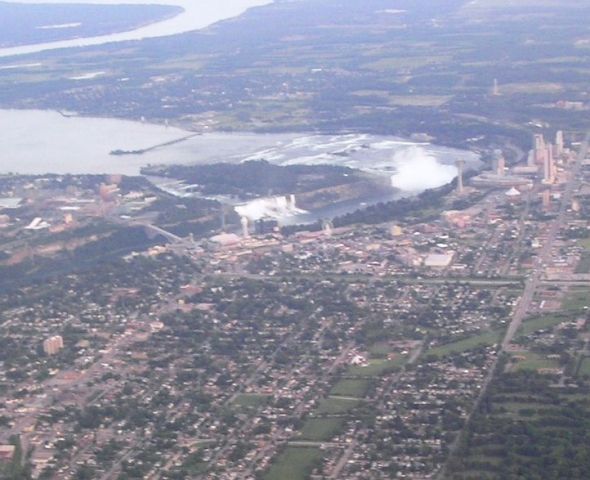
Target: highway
[[531, 285], [544, 256]]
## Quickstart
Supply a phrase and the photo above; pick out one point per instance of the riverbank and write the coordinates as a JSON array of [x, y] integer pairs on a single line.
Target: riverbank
[[195, 16]]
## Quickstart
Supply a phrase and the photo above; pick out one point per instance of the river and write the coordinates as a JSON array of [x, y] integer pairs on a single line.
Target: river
[[197, 15], [39, 142]]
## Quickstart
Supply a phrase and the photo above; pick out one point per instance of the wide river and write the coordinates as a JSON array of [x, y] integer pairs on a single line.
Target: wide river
[[38, 142], [197, 14]]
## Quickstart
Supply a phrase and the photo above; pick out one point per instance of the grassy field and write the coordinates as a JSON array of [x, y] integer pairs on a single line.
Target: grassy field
[[189, 62], [534, 361], [351, 387], [527, 409], [295, 463], [396, 63], [503, 4], [321, 429], [543, 322], [194, 463], [577, 299], [584, 265], [371, 93], [379, 350], [517, 408], [250, 400], [486, 338], [419, 100], [585, 367], [405, 100], [530, 88], [336, 406], [376, 367]]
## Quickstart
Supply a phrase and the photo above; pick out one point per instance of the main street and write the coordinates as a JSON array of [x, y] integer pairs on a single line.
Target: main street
[[545, 253], [531, 285]]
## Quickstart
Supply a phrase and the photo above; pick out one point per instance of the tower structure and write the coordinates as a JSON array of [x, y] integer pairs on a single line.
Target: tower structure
[[245, 231], [540, 149], [531, 159], [222, 213], [500, 162], [548, 166], [496, 88], [546, 200], [460, 166], [559, 146], [501, 166], [539, 141]]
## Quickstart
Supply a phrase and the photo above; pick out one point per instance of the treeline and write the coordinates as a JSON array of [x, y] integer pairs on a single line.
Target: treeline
[[88, 256], [547, 438], [85, 181], [256, 177], [402, 209]]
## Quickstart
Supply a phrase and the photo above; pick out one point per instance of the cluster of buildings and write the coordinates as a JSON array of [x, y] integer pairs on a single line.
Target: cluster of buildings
[[43, 216], [545, 156], [118, 358], [543, 161], [228, 350]]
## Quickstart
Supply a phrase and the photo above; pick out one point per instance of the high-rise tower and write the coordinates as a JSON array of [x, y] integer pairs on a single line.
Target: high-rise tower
[[540, 149], [546, 195], [559, 146], [245, 230], [496, 88], [500, 163], [548, 166], [460, 165]]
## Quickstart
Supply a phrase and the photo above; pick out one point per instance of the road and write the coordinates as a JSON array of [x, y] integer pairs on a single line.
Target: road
[[299, 411], [520, 241], [404, 279], [531, 285], [343, 460], [544, 255]]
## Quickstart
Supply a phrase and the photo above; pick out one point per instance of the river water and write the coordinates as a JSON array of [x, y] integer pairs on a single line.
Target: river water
[[39, 141], [197, 14]]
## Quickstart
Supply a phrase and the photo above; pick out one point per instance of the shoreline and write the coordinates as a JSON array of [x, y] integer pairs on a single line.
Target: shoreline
[[106, 134], [193, 17]]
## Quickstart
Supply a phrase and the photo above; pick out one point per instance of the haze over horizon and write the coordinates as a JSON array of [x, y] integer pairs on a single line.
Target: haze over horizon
[[196, 15], [333, 239]]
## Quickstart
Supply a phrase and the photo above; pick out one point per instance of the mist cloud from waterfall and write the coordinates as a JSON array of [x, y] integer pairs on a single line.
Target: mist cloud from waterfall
[[270, 207], [418, 170]]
